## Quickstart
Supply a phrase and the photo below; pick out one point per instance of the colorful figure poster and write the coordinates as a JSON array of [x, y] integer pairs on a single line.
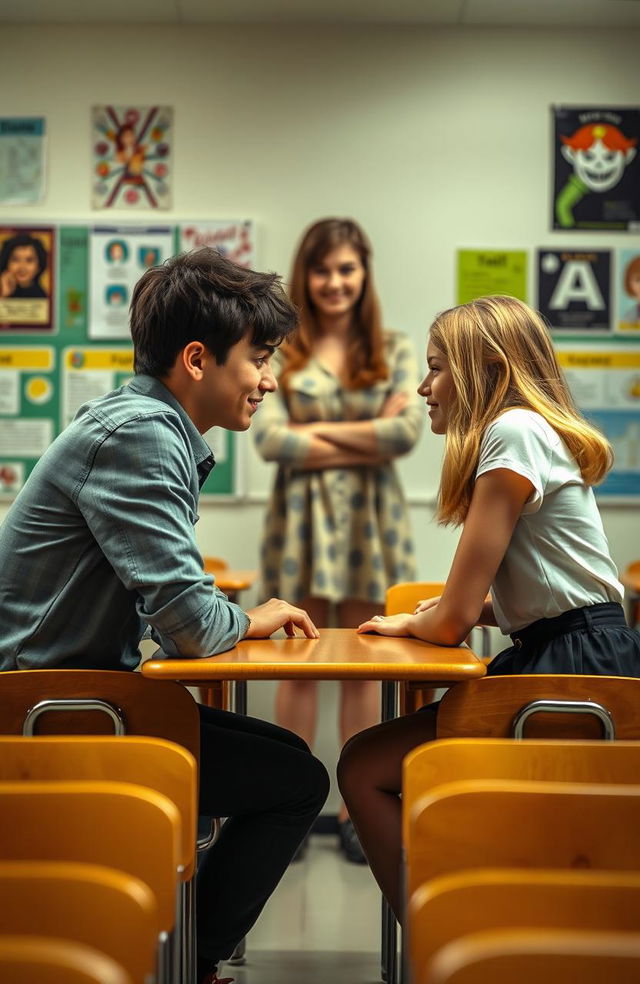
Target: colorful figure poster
[[491, 271], [628, 293], [118, 257], [132, 166], [235, 240], [22, 160], [596, 168], [26, 279], [605, 383], [574, 291]]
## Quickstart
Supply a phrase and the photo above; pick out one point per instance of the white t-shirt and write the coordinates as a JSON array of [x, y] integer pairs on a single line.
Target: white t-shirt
[[558, 557]]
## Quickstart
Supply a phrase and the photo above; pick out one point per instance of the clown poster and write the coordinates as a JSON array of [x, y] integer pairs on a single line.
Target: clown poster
[[131, 157], [596, 168]]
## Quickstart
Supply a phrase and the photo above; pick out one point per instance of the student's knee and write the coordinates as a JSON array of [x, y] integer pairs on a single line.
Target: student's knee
[[355, 752], [319, 782]]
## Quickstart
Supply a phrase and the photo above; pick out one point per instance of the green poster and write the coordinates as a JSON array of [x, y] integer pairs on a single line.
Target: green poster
[[72, 274], [491, 271]]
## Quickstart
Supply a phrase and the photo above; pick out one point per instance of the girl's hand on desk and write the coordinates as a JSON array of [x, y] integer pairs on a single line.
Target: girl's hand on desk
[[426, 604], [277, 614], [389, 625]]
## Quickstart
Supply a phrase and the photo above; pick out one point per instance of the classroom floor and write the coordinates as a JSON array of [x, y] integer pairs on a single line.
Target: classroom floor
[[321, 926]]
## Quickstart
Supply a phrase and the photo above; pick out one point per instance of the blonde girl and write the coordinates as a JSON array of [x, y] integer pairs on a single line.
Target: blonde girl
[[518, 471]]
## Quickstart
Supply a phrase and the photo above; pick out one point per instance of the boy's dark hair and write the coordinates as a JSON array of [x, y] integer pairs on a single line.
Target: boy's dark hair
[[202, 296]]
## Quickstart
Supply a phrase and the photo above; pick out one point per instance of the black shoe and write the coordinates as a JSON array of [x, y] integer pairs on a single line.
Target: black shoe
[[349, 843]]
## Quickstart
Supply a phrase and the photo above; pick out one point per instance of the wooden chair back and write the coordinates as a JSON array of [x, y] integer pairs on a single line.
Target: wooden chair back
[[134, 705], [161, 765], [514, 823], [529, 956], [212, 565], [30, 958], [487, 708], [403, 597], [118, 825], [467, 902], [100, 907], [453, 759]]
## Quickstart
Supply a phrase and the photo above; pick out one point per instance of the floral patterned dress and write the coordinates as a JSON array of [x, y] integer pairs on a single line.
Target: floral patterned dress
[[338, 533]]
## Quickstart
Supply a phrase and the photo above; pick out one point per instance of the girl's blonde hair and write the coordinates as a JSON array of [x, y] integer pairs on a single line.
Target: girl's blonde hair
[[501, 356], [365, 363]]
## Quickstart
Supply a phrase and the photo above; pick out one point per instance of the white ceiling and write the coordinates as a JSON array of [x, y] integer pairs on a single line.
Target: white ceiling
[[452, 13]]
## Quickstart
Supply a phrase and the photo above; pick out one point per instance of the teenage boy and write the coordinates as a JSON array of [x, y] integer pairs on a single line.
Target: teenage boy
[[99, 544]]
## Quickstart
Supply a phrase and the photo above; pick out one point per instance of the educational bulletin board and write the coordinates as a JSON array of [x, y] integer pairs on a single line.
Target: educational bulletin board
[[64, 336], [591, 301]]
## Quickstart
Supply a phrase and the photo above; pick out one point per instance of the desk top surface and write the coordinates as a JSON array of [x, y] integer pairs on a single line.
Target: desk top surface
[[339, 654]]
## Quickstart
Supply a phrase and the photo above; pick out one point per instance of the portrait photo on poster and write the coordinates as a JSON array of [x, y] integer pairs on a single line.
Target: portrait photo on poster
[[26, 278], [596, 168]]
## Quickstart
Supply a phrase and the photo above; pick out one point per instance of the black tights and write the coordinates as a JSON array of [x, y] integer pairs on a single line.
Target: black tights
[[370, 779], [270, 786]]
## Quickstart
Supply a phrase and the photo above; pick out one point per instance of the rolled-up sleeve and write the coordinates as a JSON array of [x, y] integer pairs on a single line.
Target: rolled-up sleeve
[[143, 523], [398, 435]]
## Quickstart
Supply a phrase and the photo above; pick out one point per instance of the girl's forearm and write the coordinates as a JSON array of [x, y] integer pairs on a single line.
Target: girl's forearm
[[347, 435], [324, 454]]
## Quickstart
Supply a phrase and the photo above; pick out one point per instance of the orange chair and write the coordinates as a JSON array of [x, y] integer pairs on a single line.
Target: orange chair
[[25, 959], [528, 956], [103, 908], [114, 824], [542, 706]]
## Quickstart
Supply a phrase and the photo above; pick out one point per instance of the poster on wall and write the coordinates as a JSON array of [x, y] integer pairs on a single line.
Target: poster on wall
[[596, 168], [27, 407], [574, 289], [491, 271], [118, 256], [88, 372], [235, 240], [628, 290], [605, 383], [131, 156], [27, 289], [22, 160]]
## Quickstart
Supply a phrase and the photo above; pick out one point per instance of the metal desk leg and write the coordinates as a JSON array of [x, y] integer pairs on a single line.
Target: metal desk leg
[[389, 943], [239, 697]]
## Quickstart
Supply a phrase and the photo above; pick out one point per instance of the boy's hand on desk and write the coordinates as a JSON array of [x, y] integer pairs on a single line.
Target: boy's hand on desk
[[277, 614]]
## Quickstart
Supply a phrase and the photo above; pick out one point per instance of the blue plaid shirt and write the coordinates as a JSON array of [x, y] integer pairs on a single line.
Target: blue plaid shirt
[[100, 542]]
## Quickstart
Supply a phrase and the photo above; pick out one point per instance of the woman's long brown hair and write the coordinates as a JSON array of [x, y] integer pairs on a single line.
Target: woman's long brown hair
[[365, 363]]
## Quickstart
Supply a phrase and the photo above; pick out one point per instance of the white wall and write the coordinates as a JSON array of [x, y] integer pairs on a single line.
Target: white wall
[[432, 138]]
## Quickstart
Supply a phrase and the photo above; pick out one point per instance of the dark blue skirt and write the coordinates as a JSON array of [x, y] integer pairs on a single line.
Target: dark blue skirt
[[594, 640]]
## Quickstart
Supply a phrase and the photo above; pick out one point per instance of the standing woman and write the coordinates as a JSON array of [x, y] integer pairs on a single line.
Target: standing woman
[[337, 528]]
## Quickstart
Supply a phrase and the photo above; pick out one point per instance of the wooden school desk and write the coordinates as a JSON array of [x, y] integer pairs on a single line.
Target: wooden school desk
[[338, 654]]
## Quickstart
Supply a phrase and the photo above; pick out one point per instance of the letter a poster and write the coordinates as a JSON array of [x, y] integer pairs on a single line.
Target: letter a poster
[[574, 289]]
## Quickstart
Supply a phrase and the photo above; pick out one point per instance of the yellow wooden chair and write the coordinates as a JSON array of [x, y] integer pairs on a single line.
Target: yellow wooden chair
[[94, 702], [161, 765], [501, 823], [631, 580], [118, 825], [541, 706], [404, 597], [454, 759], [530, 956], [467, 902], [100, 907], [28, 959]]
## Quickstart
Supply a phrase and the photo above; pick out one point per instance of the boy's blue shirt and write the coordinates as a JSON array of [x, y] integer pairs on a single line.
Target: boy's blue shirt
[[100, 542]]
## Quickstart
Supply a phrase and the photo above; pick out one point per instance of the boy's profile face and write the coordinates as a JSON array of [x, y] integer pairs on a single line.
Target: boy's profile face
[[230, 394]]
